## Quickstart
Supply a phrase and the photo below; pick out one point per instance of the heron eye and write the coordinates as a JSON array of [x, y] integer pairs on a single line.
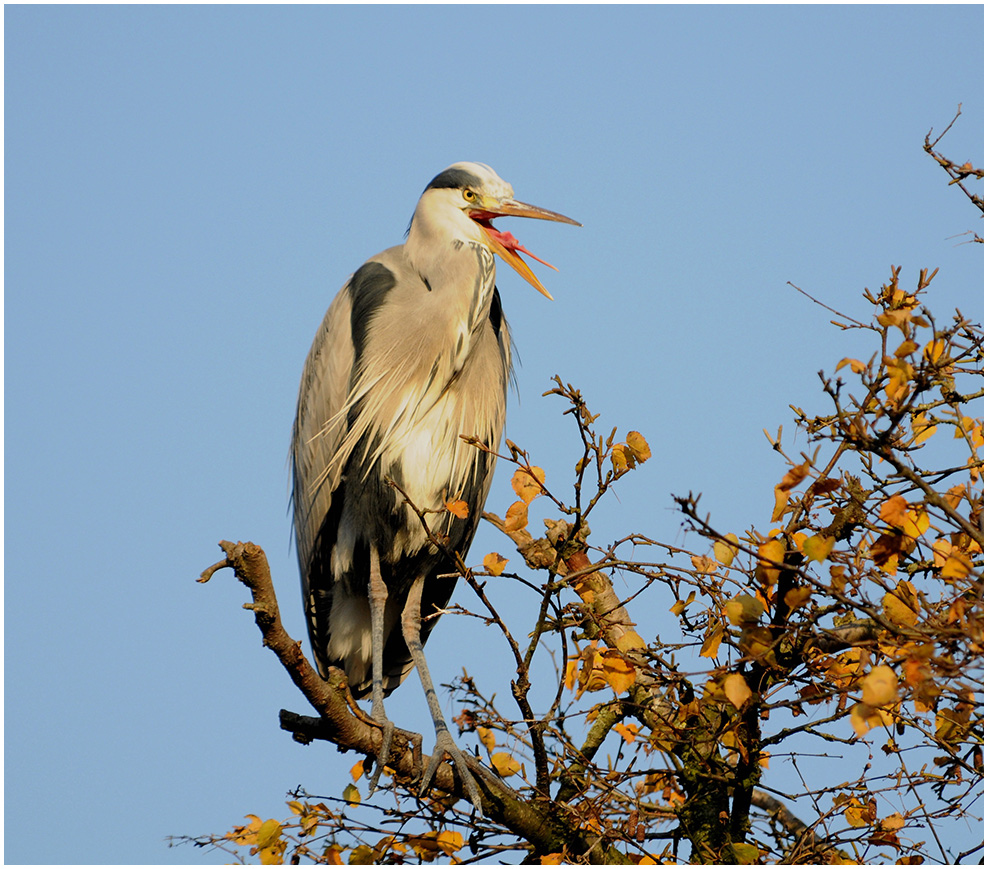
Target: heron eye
[[469, 195]]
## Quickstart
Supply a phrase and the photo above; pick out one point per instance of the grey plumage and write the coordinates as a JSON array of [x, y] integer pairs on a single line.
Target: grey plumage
[[413, 352]]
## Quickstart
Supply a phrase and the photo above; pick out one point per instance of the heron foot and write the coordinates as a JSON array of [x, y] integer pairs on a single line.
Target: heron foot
[[387, 737], [445, 745]]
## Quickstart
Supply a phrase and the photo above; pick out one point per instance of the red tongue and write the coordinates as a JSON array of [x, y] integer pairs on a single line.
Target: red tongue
[[511, 243]]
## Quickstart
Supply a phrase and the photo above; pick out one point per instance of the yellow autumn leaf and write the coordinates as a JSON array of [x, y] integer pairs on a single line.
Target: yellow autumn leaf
[[726, 550], [620, 674], [268, 833], [893, 822], [460, 509], [639, 447], [504, 764], [916, 523], [621, 458], [572, 669], [770, 554], [794, 476], [880, 687], [901, 606], [527, 483], [553, 859], [893, 511], [744, 608], [796, 597], [357, 770], [781, 504], [818, 547], [351, 795], [712, 643], [450, 842], [494, 563], [703, 563], [858, 815], [517, 516], [757, 642], [856, 365], [247, 834], [629, 640], [923, 428], [865, 717], [933, 351], [736, 689], [906, 348], [486, 737], [745, 854], [957, 565], [627, 731]]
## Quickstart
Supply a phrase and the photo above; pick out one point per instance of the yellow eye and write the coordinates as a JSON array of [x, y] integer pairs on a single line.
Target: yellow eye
[[469, 195]]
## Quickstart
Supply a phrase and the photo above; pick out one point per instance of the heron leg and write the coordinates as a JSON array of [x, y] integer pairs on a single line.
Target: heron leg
[[378, 595], [411, 629]]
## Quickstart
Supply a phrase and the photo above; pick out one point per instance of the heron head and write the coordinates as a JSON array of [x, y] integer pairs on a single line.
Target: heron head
[[477, 192]]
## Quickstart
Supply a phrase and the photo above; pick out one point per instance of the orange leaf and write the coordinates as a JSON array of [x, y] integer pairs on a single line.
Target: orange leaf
[[639, 447], [494, 563], [505, 764], [893, 511], [736, 689], [880, 687], [460, 509], [619, 673], [817, 547], [517, 516], [527, 483], [712, 643], [726, 550]]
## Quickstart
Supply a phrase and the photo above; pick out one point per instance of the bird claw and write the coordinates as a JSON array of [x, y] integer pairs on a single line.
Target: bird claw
[[445, 745], [387, 737]]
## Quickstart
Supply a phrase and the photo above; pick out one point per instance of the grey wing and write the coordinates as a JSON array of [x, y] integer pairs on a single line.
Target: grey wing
[[319, 430]]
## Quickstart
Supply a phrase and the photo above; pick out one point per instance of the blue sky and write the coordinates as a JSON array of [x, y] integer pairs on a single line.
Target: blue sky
[[188, 187]]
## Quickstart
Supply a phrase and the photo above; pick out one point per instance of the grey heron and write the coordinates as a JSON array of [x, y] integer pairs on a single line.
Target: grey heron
[[413, 352]]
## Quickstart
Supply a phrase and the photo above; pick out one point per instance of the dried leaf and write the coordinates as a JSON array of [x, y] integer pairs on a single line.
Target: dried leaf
[[628, 732], [494, 563], [449, 842], [639, 447], [957, 565], [703, 564], [781, 504], [357, 770], [726, 550], [486, 737], [857, 366], [527, 483], [901, 606], [893, 511], [517, 516], [817, 547], [736, 689], [505, 764], [770, 554], [460, 509], [796, 597], [629, 640], [744, 609], [621, 458], [880, 687], [620, 673], [712, 642]]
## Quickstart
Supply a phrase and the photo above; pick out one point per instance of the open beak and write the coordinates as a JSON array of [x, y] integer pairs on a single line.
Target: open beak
[[506, 246]]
